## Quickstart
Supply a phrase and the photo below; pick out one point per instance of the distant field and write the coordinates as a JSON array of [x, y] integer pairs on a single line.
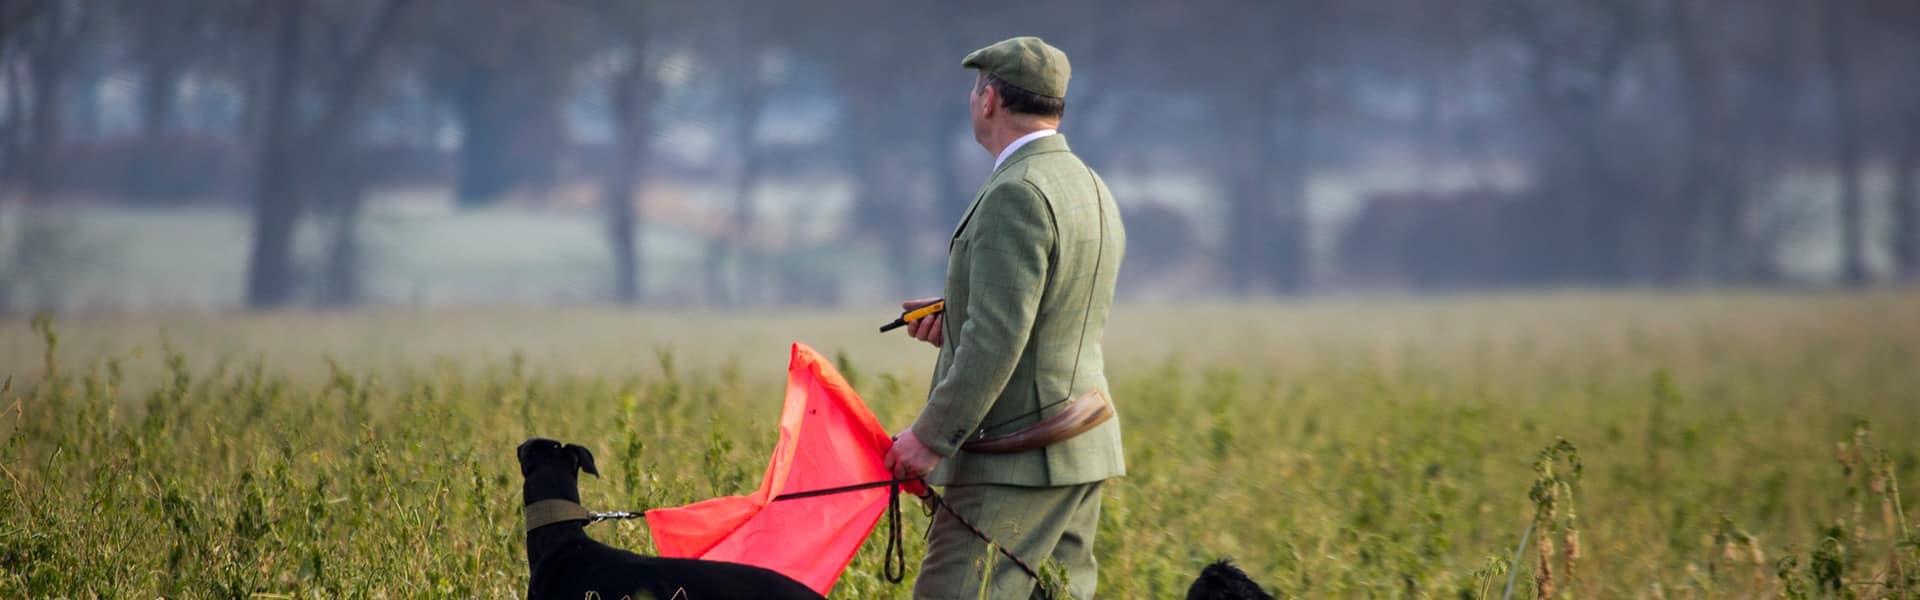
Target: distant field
[[118, 259], [1338, 448], [421, 252]]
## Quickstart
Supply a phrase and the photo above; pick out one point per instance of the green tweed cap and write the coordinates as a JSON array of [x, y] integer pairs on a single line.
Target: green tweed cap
[[1026, 62]]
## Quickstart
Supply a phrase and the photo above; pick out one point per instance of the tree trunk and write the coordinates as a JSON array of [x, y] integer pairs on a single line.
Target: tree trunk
[[735, 243], [1700, 195], [14, 17], [621, 222], [1906, 201], [157, 95], [1589, 197], [1292, 260], [511, 131], [1266, 235], [1251, 231], [629, 114], [276, 204], [18, 78], [277, 192], [882, 208], [342, 284], [1761, 126], [13, 129], [749, 267], [483, 174], [1846, 143], [47, 74]]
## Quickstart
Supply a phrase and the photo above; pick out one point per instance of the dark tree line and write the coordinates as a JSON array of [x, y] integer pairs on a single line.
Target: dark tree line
[[1533, 142]]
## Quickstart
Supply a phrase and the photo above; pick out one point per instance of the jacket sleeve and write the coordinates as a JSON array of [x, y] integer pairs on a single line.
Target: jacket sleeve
[[1006, 274]]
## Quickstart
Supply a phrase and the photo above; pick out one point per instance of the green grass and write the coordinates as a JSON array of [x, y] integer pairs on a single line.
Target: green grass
[[1336, 448]]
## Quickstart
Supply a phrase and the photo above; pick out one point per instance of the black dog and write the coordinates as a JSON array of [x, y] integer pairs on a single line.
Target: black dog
[[1223, 581], [566, 564]]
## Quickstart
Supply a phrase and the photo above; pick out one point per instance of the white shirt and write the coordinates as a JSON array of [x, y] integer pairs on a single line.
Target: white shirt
[[1018, 143]]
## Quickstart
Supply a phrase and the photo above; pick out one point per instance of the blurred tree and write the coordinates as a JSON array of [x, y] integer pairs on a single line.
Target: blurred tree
[[1835, 28], [49, 36], [291, 145], [340, 193], [632, 88], [744, 55], [163, 46], [1899, 26], [1605, 228], [1761, 96], [630, 95], [17, 17], [1263, 102], [1710, 157], [14, 16], [1610, 142], [892, 82], [1906, 199], [505, 68], [52, 37]]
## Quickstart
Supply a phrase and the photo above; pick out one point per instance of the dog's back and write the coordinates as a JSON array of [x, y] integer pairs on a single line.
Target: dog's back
[[577, 568]]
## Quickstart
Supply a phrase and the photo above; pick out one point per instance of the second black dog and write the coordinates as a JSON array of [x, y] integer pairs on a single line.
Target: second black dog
[[1223, 581]]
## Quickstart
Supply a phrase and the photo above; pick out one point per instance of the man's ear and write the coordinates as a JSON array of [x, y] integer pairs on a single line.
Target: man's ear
[[583, 459]]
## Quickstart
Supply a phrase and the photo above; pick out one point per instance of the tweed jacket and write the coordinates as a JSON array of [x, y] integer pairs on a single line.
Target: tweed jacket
[[1030, 279]]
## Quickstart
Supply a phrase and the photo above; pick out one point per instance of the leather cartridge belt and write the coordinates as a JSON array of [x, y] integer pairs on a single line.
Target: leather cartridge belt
[[1083, 413]]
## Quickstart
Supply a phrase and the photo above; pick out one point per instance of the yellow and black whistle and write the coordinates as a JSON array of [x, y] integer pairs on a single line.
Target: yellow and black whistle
[[914, 315]]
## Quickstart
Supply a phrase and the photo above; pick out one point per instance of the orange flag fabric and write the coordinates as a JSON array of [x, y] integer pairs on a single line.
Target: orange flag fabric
[[828, 439]]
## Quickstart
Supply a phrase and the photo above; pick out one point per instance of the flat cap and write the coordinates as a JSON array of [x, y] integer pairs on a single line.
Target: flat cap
[[1026, 62]]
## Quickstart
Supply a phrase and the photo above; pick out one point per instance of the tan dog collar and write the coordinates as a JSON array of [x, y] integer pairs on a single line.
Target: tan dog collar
[[554, 510]]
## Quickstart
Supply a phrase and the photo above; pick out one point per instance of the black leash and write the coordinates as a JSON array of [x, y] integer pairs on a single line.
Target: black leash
[[623, 515], [941, 503], [894, 558]]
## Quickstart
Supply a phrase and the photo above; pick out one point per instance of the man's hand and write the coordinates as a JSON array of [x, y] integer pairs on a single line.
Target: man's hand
[[909, 458], [927, 329]]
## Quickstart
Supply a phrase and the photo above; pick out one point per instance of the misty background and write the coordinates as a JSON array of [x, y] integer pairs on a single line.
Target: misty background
[[225, 154]]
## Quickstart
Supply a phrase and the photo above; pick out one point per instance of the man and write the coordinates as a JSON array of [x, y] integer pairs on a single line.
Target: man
[[1030, 276]]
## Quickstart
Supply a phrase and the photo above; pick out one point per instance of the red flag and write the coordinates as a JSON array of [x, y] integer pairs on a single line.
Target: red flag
[[828, 439]]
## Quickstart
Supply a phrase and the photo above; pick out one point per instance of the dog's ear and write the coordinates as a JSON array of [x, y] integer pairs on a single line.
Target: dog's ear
[[583, 458]]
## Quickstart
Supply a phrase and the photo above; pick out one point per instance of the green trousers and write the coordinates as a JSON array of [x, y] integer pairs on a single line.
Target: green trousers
[[1035, 523]]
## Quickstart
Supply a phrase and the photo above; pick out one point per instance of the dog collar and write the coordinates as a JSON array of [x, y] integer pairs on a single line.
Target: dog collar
[[554, 510]]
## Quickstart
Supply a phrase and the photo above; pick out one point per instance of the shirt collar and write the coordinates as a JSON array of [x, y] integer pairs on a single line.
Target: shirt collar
[[1018, 143]]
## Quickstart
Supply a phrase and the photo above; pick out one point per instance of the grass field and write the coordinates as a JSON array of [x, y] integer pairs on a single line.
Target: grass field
[[1716, 445]]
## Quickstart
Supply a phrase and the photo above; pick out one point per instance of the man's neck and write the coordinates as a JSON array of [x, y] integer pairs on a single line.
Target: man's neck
[[1005, 136]]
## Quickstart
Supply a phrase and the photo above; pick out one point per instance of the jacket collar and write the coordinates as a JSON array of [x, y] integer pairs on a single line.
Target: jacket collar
[[1018, 143], [1043, 145]]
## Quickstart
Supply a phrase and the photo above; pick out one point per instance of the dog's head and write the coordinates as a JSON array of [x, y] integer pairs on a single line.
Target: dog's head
[[1223, 581], [540, 455]]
